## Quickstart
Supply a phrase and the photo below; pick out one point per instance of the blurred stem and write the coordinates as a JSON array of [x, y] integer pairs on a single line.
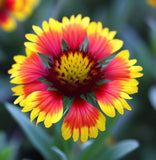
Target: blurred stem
[[66, 149]]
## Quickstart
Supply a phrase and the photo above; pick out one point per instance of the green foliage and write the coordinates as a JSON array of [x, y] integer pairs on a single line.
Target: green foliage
[[37, 135], [7, 151], [120, 150]]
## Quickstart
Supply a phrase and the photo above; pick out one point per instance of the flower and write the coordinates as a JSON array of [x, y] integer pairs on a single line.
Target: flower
[[73, 62], [152, 3], [14, 9]]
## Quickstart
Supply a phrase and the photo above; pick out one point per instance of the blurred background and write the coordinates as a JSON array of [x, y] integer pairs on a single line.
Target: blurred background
[[135, 23]]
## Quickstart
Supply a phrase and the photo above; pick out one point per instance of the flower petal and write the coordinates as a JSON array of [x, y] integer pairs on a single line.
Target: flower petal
[[74, 30], [152, 3], [24, 8], [47, 105], [27, 69], [47, 41], [121, 68], [12, 5], [112, 95], [24, 90], [101, 42], [82, 120], [7, 23]]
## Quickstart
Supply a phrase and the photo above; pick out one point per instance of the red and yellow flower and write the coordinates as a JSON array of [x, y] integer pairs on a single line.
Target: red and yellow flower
[[152, 3], [76, 62], [14, 9]]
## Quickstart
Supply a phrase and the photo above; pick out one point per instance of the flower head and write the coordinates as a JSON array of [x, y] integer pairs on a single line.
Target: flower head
[[76, 62], [14, 9], [152, 3]]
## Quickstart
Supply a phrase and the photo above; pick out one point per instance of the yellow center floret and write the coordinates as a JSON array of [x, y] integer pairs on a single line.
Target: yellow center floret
[[73, 68], [74, 73]]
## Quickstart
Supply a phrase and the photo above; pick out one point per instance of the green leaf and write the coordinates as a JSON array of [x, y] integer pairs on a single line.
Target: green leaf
[[6, 153], [120, 150], [59, 153], [38, 137], [7, 150], [67, 103]]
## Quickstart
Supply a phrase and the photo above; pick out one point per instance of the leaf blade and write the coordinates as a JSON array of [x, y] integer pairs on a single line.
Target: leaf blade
[[121, 149], [38, 137]]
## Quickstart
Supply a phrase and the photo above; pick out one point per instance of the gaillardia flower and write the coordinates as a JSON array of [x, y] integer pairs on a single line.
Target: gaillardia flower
[[71, 59], [152, 3], [14, 9]]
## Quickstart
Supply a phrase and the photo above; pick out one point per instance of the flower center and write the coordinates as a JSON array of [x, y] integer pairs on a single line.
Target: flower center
[[73, 68], [74, 73]]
